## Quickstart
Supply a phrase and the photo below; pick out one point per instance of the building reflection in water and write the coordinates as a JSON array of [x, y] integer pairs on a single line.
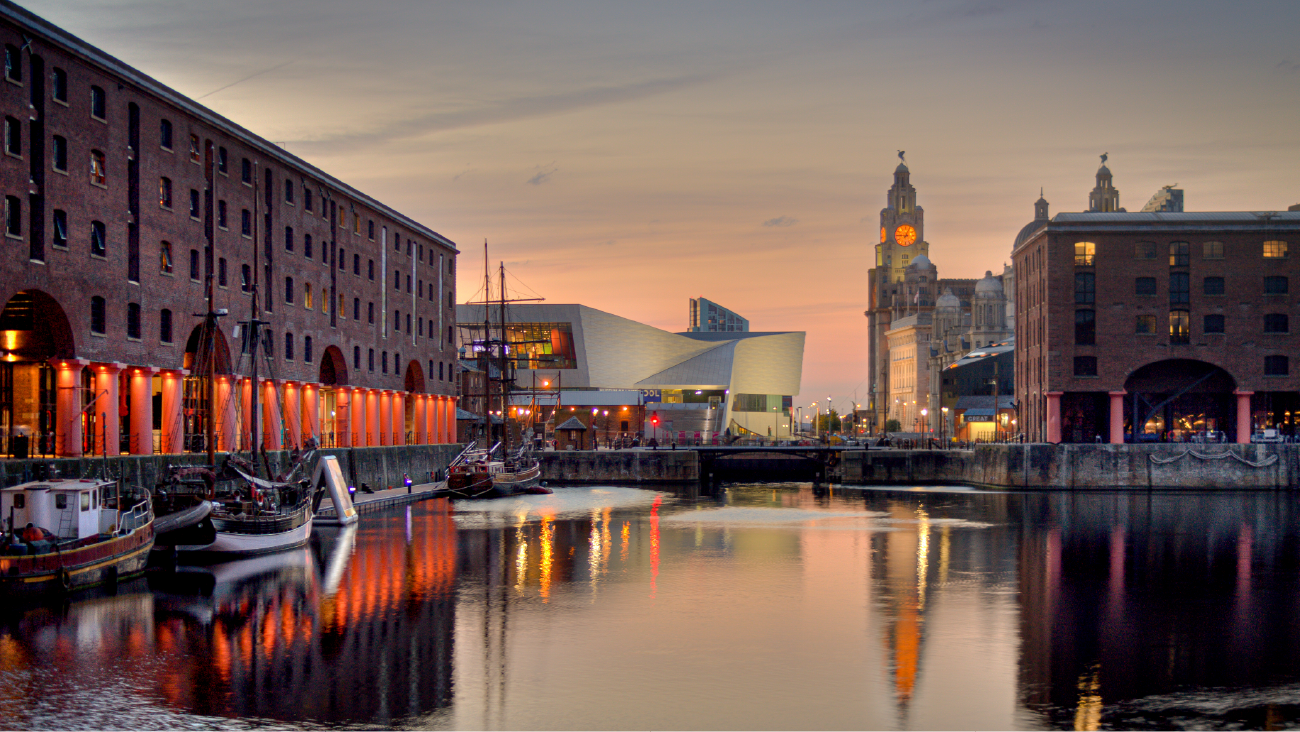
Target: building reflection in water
[[1132, 602]]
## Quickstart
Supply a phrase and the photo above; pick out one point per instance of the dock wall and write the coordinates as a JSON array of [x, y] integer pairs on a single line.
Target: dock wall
[[621, 466], [381, 467]]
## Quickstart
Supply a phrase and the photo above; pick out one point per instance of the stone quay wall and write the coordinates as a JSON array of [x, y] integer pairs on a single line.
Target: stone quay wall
[[380, 467], [620, 466], [1178, 466]]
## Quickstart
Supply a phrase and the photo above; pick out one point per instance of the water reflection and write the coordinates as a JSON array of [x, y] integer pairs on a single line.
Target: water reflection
[[766, 607]]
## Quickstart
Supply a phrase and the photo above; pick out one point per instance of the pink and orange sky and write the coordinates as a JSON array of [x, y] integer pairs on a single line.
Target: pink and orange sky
[[629, 156]]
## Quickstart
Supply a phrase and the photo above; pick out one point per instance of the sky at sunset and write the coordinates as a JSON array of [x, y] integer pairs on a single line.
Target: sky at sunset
[[629, 156]]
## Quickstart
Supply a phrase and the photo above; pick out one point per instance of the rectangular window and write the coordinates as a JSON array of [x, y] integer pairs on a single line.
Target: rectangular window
[[288, 238], [60, 90], [246, 278], [133, 320], [1085, 327], [1275, 323], [288, 346], [13, 216], [194, 265], [1274, 249], [223, 161], [195, 155], [384, 361], [371, 269], [1212, 250], [1145, 286], [165, 326], [98, 170], [1085, 365], [370, 313], [221, 214], [1144, 250], [288, 192], [165, 192], [98, 103], [165, 134], [356, 308], [97, 315], [356, 357], [1213, 285], [306, 246], [1213, 324], [1085, 253], [60, 228], [1180, 327], [1275, 285], [371, 227], [1179, 253], [13, 63], [1146, 325], [98, 239], [306, 198], [194, 204], [1179, 288], [13, 137], [370, 359], [246, 223], [221, 272], [1085, 288], [306, 349], [246, 172], [307, 301], [1276, 366], [59, 148], [165, 257], [288, 290], [356, 264]]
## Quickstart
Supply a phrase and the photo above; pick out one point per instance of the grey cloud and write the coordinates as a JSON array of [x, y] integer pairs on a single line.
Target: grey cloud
[[544, 173], [781, 221]]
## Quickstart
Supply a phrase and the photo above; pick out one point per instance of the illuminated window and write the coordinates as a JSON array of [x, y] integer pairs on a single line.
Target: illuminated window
[[1274, 249], [165, 257], [98, 170], [1180, 328], [194, 149], [1178, 253], [1084, 253], [165, 192], [1146, 325], [306, 295]]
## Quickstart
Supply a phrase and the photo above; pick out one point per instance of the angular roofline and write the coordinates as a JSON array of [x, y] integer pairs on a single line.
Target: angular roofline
[[116, 67]]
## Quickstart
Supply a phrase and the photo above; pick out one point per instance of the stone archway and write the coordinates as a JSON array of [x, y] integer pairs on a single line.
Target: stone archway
[[207, 354], [34, 330], [1176, 398], [413, 385], [334, 404]]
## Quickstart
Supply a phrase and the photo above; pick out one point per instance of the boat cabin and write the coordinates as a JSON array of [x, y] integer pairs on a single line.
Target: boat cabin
[[68, 510]]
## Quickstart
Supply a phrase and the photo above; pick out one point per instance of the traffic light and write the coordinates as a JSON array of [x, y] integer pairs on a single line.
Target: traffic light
[[654, 418]]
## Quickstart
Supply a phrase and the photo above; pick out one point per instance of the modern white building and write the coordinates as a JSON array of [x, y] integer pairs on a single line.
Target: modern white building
[[694, 382]]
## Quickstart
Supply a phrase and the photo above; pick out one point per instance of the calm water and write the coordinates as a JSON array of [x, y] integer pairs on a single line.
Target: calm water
[[770, 607]]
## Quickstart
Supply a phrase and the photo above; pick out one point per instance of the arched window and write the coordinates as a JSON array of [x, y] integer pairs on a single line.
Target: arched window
[[288, 238], [288, 290], [165, 134], [1084, 253], [306, 295], [1180, 327], [306, 246], [288, 346]]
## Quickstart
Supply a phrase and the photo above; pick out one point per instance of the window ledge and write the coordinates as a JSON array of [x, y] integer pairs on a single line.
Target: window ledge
[[61, 171], [100, 257], [165, 208], [16, 156], [133, 340], [93, 334], [164, 148], [14, 237], [36, 261], [165, 274], [60, 102], [99, 185], [98, 119]]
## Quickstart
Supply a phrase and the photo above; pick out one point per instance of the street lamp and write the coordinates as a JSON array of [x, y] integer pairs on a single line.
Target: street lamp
[[943, 426], [925, 422]]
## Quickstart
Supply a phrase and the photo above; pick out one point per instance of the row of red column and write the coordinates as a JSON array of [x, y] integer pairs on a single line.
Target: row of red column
[[1117, 416], [362, 418]]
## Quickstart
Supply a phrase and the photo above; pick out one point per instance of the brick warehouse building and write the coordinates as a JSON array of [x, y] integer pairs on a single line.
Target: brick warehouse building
[[1181, 318], [123, 199]]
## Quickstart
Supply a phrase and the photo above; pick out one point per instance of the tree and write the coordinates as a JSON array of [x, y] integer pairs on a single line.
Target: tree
[[893, 425], [829, 422]]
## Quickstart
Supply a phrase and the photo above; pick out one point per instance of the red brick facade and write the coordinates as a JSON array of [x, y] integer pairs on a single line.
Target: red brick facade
[[1138, 278], [88, 155]]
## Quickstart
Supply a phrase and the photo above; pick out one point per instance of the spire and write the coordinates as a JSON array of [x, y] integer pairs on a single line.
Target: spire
[[1040, 207]]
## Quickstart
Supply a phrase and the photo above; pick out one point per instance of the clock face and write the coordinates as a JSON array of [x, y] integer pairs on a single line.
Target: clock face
[[905, 235], [884, 235]]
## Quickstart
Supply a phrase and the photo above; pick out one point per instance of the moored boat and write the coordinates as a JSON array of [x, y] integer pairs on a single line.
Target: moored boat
[[62, 535], [475, 474]]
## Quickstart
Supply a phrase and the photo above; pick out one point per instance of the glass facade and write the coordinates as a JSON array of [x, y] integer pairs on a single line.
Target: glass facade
[[541, 345]]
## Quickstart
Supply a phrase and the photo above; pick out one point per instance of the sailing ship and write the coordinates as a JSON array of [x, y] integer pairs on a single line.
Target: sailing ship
[[496, 471], [76, 533], [251, 513]]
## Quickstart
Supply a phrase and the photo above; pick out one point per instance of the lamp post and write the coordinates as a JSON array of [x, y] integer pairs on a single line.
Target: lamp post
[[943, 427], [595, 442], [925, 414]]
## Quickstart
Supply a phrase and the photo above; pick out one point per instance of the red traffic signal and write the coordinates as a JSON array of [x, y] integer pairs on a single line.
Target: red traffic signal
[[654, 418]]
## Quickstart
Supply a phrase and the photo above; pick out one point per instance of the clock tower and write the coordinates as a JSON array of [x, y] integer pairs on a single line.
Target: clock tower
[[902, 228]]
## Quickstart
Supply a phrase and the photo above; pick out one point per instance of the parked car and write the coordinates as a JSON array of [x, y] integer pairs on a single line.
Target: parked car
[[1268, 436]]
